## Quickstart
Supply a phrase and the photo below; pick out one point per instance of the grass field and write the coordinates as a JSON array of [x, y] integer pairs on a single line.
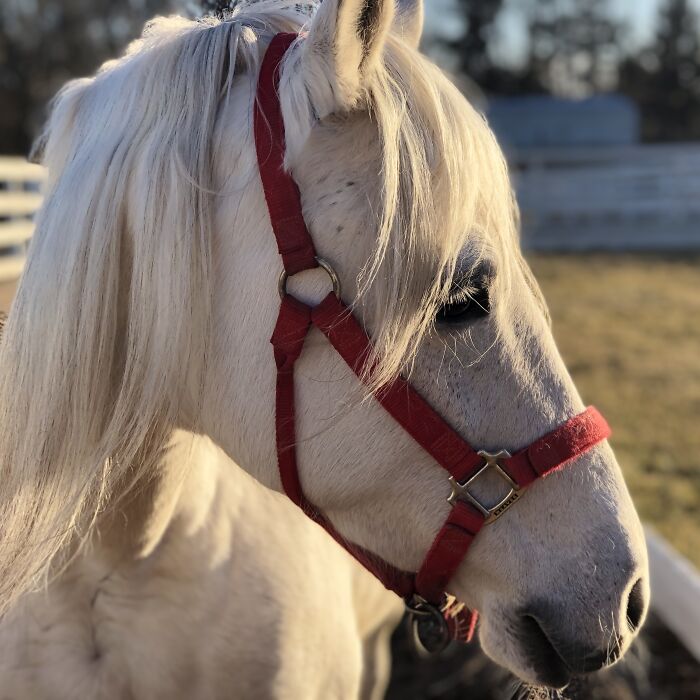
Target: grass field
[[629, 330]]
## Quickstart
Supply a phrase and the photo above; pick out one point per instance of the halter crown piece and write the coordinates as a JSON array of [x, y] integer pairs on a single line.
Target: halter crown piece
[[437, 618]]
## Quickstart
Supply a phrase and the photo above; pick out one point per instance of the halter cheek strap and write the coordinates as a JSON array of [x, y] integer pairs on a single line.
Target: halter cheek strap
[[425, 590]]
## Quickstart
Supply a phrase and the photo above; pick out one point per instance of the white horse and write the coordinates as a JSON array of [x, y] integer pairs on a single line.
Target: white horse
[[146, 307]]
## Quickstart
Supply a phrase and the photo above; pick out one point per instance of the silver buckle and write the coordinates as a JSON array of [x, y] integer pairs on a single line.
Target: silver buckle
[[460, 490], [324, 265]]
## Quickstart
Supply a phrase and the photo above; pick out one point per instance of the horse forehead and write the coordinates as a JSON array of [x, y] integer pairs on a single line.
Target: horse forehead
[[338, 150], [339, 177]]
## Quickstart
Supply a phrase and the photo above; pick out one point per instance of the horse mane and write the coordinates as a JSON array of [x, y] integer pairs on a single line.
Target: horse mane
[[114, 300]]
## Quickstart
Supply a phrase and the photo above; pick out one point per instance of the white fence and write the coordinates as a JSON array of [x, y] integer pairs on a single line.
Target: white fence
[[20, 183], [675, 591], [631, 198]]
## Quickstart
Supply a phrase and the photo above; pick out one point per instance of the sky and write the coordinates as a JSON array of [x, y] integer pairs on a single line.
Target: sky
[[442, 20]]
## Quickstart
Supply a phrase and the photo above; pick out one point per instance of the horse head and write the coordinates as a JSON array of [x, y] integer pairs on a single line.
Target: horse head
[[150, 297]]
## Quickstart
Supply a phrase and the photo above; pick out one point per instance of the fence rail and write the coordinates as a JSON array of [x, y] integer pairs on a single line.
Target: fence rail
[[675, 591], [632, 198], [20, 197], [628, 198]]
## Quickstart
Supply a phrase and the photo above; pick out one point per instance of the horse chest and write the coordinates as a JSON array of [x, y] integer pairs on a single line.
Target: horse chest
[[96, 635], [200, 619]]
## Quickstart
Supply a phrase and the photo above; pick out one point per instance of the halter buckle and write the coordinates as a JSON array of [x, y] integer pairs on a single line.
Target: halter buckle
[[460, 490], [324, 265]]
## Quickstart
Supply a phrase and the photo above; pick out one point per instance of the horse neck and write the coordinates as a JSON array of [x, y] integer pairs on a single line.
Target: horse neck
[[182, 487]]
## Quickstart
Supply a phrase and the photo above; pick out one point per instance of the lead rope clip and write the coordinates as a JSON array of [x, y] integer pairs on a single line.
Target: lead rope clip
[[429, 628]]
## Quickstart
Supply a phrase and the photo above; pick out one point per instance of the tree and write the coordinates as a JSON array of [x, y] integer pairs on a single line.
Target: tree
[[575, 46], [45, 43], [217, 8], [474, 53], [664, 78], [472, 48]]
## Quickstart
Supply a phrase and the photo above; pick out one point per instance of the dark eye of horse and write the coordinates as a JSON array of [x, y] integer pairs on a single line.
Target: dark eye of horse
[[469, 300]]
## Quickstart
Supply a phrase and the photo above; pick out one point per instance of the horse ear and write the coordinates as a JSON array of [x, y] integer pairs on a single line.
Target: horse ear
[[409, 21], [345, 43]]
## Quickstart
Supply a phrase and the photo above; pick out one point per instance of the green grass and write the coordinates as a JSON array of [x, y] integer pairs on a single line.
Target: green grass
[[628, 327]]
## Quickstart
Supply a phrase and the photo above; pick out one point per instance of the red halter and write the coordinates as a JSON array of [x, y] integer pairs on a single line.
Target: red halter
[[424, 591]]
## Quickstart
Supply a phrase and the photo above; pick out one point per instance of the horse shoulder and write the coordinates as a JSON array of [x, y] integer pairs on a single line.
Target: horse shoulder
[[242, 594]]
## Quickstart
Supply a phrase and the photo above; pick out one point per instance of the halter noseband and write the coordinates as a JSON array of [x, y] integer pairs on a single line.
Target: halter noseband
[[437, 616]]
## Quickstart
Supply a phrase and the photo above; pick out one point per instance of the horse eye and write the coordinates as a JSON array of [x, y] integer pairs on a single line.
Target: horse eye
[[469, 301]]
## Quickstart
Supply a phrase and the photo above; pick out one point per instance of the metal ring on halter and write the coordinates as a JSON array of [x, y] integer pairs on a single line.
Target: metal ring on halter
[[429, 628], [416, 605], [326, 266]]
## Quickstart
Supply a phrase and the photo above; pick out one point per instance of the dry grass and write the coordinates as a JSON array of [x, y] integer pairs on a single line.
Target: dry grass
[[629, 329]]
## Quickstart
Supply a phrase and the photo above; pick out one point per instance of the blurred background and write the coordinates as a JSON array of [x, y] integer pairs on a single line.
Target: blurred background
[[597, 105]]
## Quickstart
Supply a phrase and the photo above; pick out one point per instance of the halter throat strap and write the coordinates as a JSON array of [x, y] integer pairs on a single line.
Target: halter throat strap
[[434, 435]]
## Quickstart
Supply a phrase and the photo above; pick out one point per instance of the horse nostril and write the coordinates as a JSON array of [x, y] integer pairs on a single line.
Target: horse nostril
[[635, 606], [551, 667], [552, 654]]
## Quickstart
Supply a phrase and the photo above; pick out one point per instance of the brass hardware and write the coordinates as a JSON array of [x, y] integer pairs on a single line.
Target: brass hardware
[[460, 490]]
